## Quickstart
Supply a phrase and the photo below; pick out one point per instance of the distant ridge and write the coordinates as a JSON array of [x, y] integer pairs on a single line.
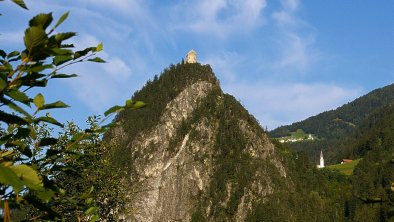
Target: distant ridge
[[342, 121]]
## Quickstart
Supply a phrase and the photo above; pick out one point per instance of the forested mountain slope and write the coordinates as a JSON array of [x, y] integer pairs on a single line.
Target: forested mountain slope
[[373, 180], [342, 121]]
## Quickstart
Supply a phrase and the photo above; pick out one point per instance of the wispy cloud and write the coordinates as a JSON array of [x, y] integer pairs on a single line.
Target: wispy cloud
[[13, 37], [296, 39], [220, 17], [284, 103], [225, 64], [100, 85]]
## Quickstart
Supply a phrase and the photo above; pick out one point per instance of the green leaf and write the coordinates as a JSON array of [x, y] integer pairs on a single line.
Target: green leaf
[[18, 96], [6, 153], [47, 141], [35, 83], [17, 108], [62, 76], [61, 19], [48, 119], [11, 119], [65, 35], [3, 53], [34, 36], [97, 59], [67, 46], [130, 104], [41, 20], [84, 52], [9, 177], [13, 54], [39, 100], [58, 60], [3, 84], [94, 218], [15, 59], [99, 47], [63, 52], [28, 175], [22, 147], [21, 3], [52, 152], [91, 210], [113, 109], [39, 68], [22, 133], [55, 105], [45, 194]]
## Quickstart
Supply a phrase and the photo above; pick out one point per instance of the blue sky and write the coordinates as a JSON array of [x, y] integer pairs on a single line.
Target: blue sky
[[284, 60]]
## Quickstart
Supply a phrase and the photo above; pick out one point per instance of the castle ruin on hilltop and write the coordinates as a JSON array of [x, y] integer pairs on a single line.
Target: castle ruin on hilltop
[[191, 57]]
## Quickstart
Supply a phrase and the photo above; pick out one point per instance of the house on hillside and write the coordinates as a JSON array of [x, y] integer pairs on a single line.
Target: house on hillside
[[346, 161]]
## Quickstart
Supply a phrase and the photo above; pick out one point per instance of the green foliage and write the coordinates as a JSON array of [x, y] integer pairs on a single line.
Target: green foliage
[[21, 3], [374, 175], [47, 177]]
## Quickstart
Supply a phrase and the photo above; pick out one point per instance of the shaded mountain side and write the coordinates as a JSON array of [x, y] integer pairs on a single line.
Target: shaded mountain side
[[339, 123], [373, 180], [195, 154]]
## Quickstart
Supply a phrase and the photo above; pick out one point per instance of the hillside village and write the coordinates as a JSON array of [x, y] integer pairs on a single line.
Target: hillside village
[[297, 136]]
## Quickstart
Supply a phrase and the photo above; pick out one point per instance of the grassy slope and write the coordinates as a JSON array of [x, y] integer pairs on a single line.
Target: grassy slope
[[346, 168]]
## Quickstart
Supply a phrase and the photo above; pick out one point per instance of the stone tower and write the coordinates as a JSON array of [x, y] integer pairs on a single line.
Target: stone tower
[[191, 57]]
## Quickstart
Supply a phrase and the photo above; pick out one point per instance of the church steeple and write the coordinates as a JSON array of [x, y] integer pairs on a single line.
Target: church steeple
[[321, 165]]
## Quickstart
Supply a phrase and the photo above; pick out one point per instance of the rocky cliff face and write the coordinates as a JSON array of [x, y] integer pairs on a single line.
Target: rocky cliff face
[[203, 158]]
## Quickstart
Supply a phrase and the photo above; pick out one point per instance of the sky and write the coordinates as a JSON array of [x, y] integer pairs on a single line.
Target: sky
[[284, 60]]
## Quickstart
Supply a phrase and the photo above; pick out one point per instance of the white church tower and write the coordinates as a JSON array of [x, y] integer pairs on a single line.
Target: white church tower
[[321, 165], [191, 57]]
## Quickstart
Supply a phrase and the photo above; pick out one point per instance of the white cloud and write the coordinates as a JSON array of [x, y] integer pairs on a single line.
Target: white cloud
[[220, 17], [99, 88], [225, 64], [276, 104], [297, 52], [296, 39], [290, 5], [12, 37], [99, 85], [117, 68], [83, 41]]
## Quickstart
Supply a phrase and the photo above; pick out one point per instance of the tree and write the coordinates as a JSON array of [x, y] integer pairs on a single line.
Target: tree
[[32, 160]]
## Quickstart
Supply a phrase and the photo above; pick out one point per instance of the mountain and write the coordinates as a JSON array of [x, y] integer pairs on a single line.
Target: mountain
[[368, 134], [195, 154], [342, 121], [337, 128]]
